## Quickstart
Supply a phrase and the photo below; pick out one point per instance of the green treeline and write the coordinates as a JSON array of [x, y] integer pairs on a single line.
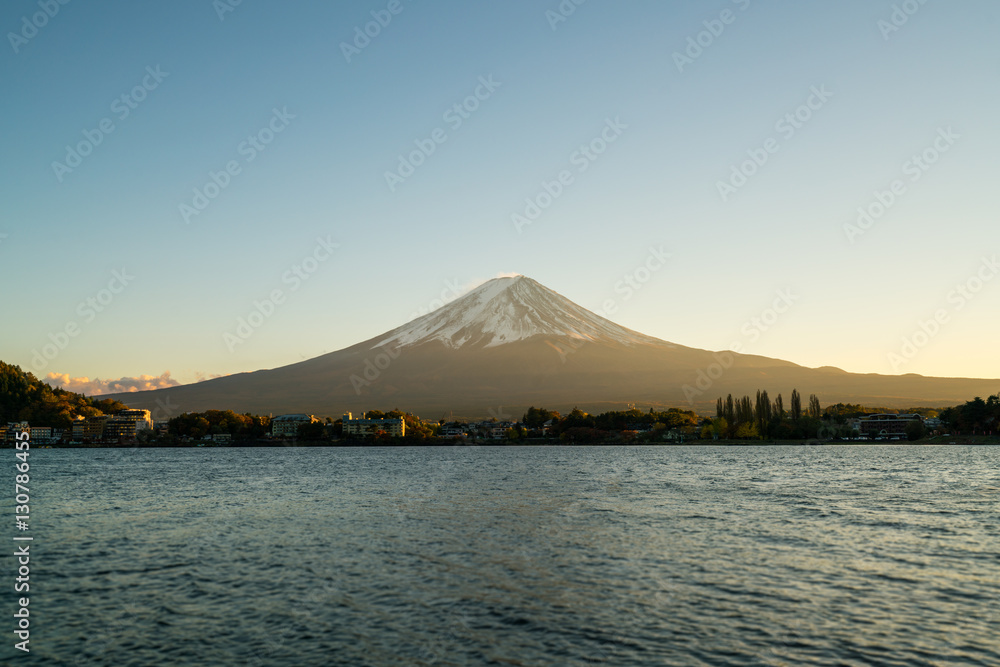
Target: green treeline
[[247, 426], [579, 426], [23, 397], [760, 418], [976, 417], [215, 422]]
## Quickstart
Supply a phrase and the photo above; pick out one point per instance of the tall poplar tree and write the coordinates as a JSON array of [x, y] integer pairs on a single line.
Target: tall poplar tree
[[814, 410], [795, 408]]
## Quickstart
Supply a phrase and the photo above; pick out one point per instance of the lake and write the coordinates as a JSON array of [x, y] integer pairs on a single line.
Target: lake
[[849, 555]]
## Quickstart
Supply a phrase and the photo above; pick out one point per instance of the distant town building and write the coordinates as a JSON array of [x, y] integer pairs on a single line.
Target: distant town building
[[886, 425], [118, 429], [76, 429], [89, 429], [41, 435], [454, 430], [394, 427], [498, 431], [638, 427], [142, 418], [12, 429], [126, 425], [287, 426], [676, 435]]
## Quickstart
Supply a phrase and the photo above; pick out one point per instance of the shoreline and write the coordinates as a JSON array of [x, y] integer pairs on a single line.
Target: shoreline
[[923, 442]]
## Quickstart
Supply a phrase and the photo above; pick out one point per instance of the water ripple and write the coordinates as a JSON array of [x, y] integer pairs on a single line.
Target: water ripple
[[516, 556]]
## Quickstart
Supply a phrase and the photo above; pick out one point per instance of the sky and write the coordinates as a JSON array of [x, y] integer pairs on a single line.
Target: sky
[[198, 188]]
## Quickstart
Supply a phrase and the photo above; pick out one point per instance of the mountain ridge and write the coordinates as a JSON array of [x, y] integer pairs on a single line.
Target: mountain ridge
[[511, 343]]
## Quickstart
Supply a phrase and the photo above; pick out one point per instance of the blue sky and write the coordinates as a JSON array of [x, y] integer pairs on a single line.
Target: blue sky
[[201, 85]]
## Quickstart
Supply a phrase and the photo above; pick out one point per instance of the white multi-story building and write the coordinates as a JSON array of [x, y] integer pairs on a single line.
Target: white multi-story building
[[126, 424], [287, 426], [142, 418], [394, 427]]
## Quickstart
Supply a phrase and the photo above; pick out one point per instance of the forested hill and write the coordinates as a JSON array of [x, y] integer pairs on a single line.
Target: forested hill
[[23, 397]]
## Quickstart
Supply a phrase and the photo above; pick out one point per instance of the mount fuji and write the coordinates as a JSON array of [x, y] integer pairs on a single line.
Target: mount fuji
[[511, 343], [508, 310]]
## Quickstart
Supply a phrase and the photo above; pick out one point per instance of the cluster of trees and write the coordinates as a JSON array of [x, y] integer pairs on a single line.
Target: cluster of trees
[[974, 417], [535, 418], [759, 417], [753, 418], [23, 397], [247, 426], [579, 426], [748, 418], [841, 412], [213, 422]]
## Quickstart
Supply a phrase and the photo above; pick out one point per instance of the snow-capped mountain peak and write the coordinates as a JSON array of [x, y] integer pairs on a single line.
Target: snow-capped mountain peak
[[506, 310]]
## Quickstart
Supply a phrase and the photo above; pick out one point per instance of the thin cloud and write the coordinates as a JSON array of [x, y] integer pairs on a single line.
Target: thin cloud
[[97, 386], [476, 282], [201, 377]]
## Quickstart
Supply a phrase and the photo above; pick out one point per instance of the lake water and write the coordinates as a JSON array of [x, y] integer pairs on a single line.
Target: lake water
[[855, 555]]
